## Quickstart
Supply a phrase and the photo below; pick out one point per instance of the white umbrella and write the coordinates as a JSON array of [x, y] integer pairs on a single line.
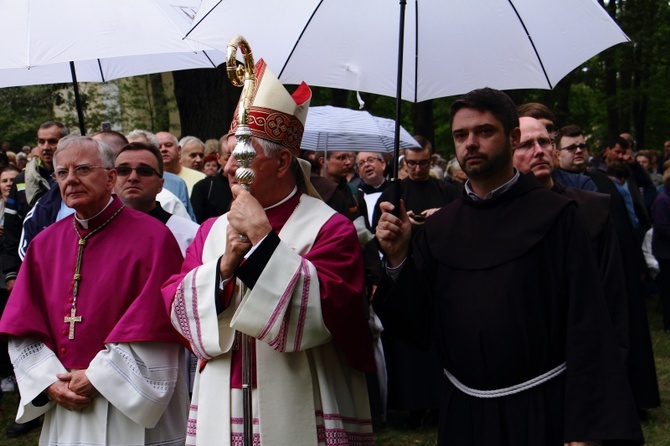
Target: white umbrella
[[45, 42], [335, 129], [450, 46]]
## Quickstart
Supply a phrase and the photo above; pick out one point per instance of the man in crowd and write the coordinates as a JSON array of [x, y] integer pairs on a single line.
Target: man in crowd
[[526, 343], [412, 373], [193, 153], [29, 186], [87, 371], [171, 182], [535, 153], [572, 149], [139, 169], [211, 196], [371, 167], [171, 151], [286, 270]]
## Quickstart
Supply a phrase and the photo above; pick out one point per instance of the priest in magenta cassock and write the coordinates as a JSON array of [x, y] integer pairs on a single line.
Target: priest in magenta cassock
[[287, 270], [90, 340]]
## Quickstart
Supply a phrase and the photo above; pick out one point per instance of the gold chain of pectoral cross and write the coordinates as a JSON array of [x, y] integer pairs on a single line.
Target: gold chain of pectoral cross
[[72, 319]]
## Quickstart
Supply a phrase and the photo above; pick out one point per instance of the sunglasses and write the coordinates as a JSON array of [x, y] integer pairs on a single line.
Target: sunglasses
[[573, 147], [142, 171]]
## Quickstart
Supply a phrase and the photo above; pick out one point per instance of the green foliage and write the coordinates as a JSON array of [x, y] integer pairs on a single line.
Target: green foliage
[[23, 110]]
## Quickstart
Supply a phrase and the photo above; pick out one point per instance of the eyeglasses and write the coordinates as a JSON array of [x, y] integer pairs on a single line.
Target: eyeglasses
[[573, 147], [413, 164], [142, 171], [544, 144], [50, 141], [81, 171], [368, 160]]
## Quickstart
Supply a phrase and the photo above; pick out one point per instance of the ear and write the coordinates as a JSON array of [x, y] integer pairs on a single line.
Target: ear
[[285, 159], [111, 179], [515, 138]]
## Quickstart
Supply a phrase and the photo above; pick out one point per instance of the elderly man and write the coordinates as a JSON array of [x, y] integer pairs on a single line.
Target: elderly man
[[96, 354], [526, 343], [139, 169], [171, 152], [286, 270], [192, 153], [371, 168]]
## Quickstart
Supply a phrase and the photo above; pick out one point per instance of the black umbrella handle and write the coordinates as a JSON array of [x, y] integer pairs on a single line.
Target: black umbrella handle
[[393, 194]]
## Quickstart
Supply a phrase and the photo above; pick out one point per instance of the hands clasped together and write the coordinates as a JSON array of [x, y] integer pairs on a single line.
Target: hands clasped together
[[73, 390]]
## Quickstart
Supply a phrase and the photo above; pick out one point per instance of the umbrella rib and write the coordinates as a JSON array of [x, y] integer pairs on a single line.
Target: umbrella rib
[[203, 18], [288, 59], [530, 39], [102, 75], [209, 58]]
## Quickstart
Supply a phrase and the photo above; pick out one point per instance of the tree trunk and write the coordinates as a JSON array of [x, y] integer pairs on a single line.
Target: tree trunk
[[422, 121], [206, 101]]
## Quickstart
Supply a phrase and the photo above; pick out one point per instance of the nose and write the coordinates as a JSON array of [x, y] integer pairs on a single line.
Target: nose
[[230, 167]]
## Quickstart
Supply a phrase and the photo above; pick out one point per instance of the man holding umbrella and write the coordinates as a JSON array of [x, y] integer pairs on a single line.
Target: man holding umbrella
[[505, 276]]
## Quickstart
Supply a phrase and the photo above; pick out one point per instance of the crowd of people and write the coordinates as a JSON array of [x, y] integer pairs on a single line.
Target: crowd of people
[[500, 295]]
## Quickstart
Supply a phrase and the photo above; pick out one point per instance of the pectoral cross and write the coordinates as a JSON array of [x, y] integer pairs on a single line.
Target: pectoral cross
[[72, 319]]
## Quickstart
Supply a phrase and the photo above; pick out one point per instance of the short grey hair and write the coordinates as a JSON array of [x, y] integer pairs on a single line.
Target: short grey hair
[[187, 139], [147, 135], [105, 152], [271, 149]]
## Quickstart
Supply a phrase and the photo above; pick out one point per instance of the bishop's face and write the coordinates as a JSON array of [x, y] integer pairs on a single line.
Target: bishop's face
[[85, 185]]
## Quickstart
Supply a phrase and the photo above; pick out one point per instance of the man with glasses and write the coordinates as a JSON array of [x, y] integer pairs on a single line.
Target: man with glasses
[[90, 340], [371, 168], [139, 169], [572, 148], [414, 374]]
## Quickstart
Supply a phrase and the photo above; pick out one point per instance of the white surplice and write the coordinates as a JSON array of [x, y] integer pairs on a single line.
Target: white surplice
[[307, 394], [143, 396]]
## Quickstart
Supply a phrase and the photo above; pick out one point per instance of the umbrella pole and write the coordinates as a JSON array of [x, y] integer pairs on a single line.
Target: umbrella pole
[[77, 100], [394, 184], [398, 97]]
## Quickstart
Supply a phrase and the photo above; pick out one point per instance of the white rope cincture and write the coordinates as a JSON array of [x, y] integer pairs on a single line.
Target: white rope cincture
[[497, 393]]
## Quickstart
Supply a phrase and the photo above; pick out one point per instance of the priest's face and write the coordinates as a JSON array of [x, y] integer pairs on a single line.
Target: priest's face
[[370, 168], [418, 164], [86, 185], [535, 150], [482, 148], [138, 187]]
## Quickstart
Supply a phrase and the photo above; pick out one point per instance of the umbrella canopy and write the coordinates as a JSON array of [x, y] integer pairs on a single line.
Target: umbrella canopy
[[335, 129], [450, 46], [46, 42]]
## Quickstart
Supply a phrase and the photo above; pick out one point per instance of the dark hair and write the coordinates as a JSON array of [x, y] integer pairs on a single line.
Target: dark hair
[[148, 147], [493, 101], [61, 127], [614, 140], [10, 168], [424, 143], [618, 169], [535, 110], [570, 131]]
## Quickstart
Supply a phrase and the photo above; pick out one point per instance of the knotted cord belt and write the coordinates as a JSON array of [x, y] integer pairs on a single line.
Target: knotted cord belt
[[497, 393]]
